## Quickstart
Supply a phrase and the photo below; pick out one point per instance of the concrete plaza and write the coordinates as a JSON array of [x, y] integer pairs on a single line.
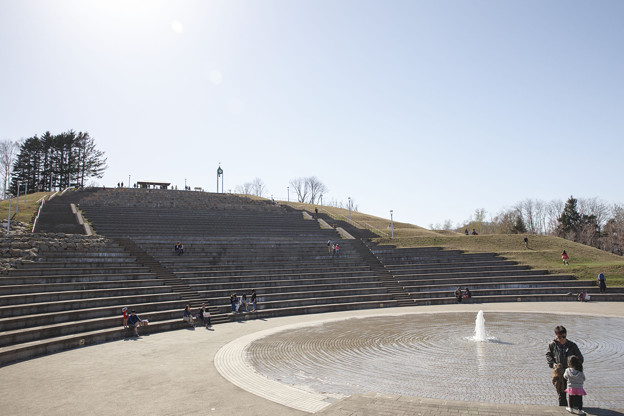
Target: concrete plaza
[[188, 372]]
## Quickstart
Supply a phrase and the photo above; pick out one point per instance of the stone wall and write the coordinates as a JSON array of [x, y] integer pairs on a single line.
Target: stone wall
[[22, 248]]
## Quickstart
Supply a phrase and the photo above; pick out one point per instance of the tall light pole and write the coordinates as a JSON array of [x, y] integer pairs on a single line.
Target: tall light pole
[[17, 202], [185, 184], [392, 223], [129, 182], [288, 190], [349, 208]]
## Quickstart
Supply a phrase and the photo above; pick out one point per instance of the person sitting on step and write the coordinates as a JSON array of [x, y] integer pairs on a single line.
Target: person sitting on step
[[187, 315], [179, 248]]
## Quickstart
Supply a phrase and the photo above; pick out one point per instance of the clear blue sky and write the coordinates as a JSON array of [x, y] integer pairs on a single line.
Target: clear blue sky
[[429, 108]]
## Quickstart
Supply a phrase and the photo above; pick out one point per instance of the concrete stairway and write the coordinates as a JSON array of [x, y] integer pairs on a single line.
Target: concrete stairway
[[430, 275], [73, 297]]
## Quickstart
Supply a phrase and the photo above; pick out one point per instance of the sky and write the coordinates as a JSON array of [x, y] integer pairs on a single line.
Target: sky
[[431, 109]]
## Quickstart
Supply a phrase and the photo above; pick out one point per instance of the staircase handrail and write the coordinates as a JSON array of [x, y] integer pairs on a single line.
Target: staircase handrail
[[42, 200]]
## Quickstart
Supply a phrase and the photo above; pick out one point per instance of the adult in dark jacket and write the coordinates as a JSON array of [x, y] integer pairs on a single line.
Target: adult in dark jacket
[[134, 322], [557, 356]]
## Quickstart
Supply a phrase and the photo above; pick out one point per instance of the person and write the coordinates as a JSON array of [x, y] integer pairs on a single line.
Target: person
[[233, 301], [329, 246], [557, 354], [316, 213], [179, 248], [125, 314], [526, 241], [337, 250], [467, 293], [243, 303], [204, 315], [474, 232], [466, 231], [253, 300], [575, 377], [334, 248], [581, 297], [458, 294], [565, 258], [134, 321], [602, 282], [187, 315]]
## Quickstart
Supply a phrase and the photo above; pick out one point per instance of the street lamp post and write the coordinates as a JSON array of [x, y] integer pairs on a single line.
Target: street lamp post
[[129, 182], [185, 184], [321, 199], [288, 190], [392, 223], [349, 208]]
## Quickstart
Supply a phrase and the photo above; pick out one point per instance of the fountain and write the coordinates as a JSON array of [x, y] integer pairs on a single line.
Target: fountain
[[479, 332], [432, 355]]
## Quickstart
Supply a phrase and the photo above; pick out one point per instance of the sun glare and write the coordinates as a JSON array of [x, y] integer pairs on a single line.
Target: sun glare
[[177, 27]]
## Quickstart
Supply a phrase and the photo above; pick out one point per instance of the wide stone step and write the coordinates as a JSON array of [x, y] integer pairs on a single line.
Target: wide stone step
[[43, 279], [278, 276], [81, 294], [246, 285], [50, 318], [268, 287], [37, 348], [382, 298], [466, 275], [78, 286], [467, 281], [274, 272], [66, 328], [480, 293], [294, 293], [458, 269], [416, 266], [65, 305], [243, 267], [616, 297], [502, 285]]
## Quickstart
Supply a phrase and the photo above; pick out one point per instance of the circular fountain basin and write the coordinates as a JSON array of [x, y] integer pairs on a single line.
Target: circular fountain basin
[[435, 356]]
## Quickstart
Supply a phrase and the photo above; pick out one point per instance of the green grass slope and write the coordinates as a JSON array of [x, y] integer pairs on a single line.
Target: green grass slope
[[26, 211]]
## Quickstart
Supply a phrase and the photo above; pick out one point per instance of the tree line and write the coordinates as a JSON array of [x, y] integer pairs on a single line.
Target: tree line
[[53, 161], [588, 221]]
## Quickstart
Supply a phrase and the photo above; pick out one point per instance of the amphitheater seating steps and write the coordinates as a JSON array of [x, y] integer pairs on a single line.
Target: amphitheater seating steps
[[430, 275]]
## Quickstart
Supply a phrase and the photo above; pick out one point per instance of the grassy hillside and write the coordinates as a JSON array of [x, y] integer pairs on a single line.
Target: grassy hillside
[[26, 210], [544, 253], [378, 225]]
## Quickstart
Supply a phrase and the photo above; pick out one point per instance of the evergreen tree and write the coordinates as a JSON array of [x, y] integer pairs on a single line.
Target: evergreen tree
[[570, 219], [57, 161], [519, 227]]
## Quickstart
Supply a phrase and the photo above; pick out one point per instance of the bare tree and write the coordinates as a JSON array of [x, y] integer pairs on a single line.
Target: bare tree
[[553, 210], [245, 189], [300, 185], [258, 187], [8, 151], [595, 207], [315, 188]]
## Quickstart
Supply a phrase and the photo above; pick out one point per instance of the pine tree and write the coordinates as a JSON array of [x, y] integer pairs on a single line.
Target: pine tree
[[519, 227], [570, 219]]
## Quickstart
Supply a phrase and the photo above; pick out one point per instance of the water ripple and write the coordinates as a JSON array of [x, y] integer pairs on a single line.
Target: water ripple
[[431, 355]]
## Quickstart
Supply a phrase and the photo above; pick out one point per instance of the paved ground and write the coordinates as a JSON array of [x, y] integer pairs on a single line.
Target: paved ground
[[175, 374]]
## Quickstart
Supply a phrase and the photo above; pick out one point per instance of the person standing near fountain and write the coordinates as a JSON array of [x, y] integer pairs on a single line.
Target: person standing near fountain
[[559, 350], [576, 378]]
